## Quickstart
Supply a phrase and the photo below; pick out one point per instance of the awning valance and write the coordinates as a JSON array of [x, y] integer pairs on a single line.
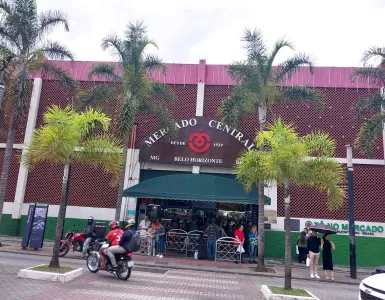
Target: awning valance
[[195, 187]]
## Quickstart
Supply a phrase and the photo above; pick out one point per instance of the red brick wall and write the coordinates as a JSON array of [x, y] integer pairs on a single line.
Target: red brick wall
[[13, 174]]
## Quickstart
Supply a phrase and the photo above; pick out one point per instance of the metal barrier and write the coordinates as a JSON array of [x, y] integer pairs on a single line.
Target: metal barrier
[[176, 240], [225, 249], [145, 241], [193, 241]]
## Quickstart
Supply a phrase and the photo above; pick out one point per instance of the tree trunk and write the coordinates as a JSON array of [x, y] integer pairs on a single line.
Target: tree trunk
[[121, 178], [2, 91], [261, 205], [6, 163], [287, 238], [60, 219]]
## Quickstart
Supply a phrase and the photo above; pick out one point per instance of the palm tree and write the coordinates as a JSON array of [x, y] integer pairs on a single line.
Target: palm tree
[[286, 160], [68, 136], [374, 104], [257, 90], [23, 49], [132, 89]]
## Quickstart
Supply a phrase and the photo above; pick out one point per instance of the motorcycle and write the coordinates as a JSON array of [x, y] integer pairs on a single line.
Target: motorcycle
[[76, 240], [124, 261]]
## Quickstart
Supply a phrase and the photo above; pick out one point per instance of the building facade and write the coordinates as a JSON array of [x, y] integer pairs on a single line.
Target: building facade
[[199, 90]]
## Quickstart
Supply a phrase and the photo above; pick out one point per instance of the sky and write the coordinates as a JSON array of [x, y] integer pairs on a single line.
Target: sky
[[333, 32]]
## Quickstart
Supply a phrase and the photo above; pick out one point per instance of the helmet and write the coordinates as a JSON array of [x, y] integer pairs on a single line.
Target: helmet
[[130, 223], [90, 218], [114, 224]]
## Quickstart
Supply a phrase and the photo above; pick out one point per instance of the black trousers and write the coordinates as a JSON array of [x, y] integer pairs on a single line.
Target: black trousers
[[302, 254]]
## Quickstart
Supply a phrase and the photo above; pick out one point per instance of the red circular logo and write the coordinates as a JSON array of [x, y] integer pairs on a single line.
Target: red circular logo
[[308, 224], [199, 142]]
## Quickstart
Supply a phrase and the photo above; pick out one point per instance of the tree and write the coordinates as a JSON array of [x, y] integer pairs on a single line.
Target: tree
[[68, 136], [24, 49], [288, 160], [134, 92], [257, 90], [373, 105]]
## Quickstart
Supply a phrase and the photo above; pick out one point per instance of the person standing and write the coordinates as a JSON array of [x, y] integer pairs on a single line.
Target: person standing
[[212, 235], [145, 224], [313, 245], [327, 246], [159, 238], [239, 235], [151, 240], [302, 247], [90, 234], [253, 245]]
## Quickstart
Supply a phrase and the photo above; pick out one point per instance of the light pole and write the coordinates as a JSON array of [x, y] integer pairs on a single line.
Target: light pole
[[352, 229]]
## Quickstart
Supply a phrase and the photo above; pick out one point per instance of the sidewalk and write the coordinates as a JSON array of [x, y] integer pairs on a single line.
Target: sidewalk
[[275, 267]]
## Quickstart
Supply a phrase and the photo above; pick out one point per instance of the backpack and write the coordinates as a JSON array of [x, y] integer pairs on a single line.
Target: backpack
[[134, 244]]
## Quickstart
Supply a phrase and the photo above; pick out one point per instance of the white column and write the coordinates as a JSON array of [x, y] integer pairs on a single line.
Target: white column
[[131, 178], [200, 97], [31, 123]]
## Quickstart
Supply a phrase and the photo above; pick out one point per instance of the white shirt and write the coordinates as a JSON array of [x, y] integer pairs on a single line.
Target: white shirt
[[144, 224]]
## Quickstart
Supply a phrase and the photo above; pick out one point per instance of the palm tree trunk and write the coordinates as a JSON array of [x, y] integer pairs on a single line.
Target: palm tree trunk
[[121, 178], [7, 163], [2, 90], [287, 238], [261, 205], [60, 219]]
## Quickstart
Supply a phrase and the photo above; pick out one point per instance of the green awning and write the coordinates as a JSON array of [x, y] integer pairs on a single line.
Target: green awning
[[195, 187]]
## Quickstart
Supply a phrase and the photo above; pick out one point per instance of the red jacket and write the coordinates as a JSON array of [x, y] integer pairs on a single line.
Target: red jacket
[[240, 235]]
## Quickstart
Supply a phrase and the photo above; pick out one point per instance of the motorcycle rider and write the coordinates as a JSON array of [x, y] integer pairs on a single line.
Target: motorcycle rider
[[126, 237], [113, 237], [90, 235]]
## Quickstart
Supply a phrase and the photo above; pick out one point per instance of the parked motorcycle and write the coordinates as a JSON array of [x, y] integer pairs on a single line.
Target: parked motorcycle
[[76, 240], [124, 261]]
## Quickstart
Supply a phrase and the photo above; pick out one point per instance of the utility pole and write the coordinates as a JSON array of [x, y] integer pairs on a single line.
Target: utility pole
[[352, 229]]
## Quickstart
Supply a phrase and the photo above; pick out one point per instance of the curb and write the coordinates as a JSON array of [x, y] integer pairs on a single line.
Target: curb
[[173, 267]]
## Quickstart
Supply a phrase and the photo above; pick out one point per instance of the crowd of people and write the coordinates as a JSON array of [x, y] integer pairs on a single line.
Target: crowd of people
[[309, 245], [245, 234]]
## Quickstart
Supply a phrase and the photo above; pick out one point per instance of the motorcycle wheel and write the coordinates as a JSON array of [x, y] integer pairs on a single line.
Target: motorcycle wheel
[[123, 272], [63, 249], [93, 263]]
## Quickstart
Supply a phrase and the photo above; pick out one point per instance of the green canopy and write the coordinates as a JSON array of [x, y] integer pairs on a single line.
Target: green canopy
[[196, 187]]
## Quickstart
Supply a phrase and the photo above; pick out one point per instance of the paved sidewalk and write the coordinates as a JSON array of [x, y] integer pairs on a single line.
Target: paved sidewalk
[[276, 267]]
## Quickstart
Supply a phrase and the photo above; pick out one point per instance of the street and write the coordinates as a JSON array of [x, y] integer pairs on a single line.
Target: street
[[147, 284]]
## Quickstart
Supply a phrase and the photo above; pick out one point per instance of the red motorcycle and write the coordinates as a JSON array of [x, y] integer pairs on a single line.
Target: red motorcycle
[[76, 240]]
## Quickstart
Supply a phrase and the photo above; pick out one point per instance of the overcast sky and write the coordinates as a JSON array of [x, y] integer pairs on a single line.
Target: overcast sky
[[334, 32]]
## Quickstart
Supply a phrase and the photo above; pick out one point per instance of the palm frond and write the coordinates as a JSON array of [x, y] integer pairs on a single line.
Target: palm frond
[[279, 45], [103, 70], [113, 43], [95, 96], [251, 169], [298, 94], [10, 38], [234, 107], [49, 20], [374, 53], [60, 74], [55, 50], [239, 70], [6, 7], [126, 118], [163, 92], [102, 151], [153, 62], [254, 44], [370, 104], [292, 65], [164, 117], [319, 144], [327, 175], [369, 132], [370, 74]]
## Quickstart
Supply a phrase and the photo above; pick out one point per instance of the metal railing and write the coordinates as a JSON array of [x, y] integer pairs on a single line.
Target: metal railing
[[176, 239], [145, 241], [226, 249], [193, 238]]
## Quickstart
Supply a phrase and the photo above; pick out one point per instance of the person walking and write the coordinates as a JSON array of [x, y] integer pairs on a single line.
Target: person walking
[[212, 235], [313, 246], [302, 247], [253, 245], [327, 246]]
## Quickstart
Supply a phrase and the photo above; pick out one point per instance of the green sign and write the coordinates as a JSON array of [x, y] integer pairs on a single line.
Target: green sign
[[364, 229]]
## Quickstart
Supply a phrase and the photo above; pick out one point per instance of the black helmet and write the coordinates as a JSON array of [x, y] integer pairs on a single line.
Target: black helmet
[[90, 219]]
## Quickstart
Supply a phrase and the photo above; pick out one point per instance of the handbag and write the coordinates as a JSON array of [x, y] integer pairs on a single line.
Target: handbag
[[240, 249], [296, 249], [308, 262]]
